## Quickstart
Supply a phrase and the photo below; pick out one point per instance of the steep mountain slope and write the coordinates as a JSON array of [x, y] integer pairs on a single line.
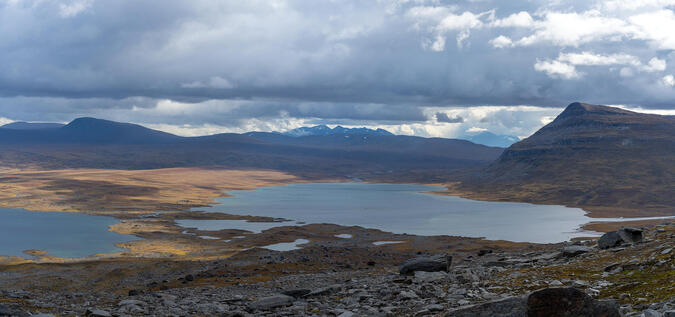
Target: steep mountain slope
[[599, 157], [94, 143]]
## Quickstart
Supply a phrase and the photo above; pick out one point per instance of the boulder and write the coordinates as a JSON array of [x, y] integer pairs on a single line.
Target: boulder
[[669, 313], [574, 250], [97, 313], [651, 313], [609, 240], [298, 292], [568, 302], [508, 307], [630, 235], [438, 263], [272, 302]]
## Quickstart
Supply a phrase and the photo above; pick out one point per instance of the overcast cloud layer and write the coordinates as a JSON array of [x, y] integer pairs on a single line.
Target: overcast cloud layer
[[429, 68]]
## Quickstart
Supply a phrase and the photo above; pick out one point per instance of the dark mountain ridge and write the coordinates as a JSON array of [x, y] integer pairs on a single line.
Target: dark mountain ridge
[[95, 143], [592, 156]]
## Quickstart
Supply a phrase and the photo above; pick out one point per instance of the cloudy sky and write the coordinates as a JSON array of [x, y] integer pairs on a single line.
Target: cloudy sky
[[422, 67]]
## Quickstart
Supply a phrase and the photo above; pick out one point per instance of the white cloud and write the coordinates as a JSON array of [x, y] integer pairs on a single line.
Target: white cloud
[[4, 120], [74, 8], [520, 19], [557, 69], [501, 41], [632, 5], [655, 65], [476, 129], [591, 59], [565, 65], [656, 27], [668, 80], [574, 29]]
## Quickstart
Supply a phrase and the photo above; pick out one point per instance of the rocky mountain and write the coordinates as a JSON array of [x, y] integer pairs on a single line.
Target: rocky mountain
[[598, 157], [490, 139], [325, 130], [95, 143]]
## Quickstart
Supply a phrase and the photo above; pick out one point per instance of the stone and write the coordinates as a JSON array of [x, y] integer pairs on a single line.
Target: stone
[[346, 314], [567, 302], [574, 250], [128, 302], [97, 313], [609, 240], [508, 307], [408, 295], [272, 302], [134, 292], [630, 235], [611, 267], [669, 313], [189, 277], [666, 251], [437, 263], [434, 307], [651, 313], [325, 290], [555, 283], [299, 292], [427, 277]]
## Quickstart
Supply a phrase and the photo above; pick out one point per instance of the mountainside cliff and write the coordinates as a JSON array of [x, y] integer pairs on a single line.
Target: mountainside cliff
[[597, 157]]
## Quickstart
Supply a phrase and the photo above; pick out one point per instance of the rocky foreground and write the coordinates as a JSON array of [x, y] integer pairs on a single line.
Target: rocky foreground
[[630, 272]]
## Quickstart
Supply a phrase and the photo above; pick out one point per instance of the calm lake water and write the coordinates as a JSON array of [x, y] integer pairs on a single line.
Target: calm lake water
[[397, 208], [62, 234]]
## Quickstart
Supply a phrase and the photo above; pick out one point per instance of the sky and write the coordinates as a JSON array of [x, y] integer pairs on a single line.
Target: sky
[[416, 67]]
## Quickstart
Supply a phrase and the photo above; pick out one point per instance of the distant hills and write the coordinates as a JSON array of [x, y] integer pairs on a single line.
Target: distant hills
[[375, 154], [325, 130], [598, 157], [30, 126], [490, 139]]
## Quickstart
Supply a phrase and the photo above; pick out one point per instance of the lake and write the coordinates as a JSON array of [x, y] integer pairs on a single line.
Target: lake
[[61, 234], [398, 208]]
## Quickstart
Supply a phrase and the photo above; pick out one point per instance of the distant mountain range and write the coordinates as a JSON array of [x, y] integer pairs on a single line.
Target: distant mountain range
[[325, 130], [598, 157], [96, 143], [490, 139], [31, 126]]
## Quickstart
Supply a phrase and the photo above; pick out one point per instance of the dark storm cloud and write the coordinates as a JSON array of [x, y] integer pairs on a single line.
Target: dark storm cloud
[[443, 117], [357, 60]]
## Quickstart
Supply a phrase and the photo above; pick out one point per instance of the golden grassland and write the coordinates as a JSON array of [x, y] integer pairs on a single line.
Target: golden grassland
[[134, 191]]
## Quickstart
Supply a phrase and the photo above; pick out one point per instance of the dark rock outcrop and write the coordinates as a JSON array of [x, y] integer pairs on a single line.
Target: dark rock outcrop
[[609, 240], [567, 302], [631, 235], [509, 307], [436, 263], [271, 302], [574, 250], [616, 238]]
